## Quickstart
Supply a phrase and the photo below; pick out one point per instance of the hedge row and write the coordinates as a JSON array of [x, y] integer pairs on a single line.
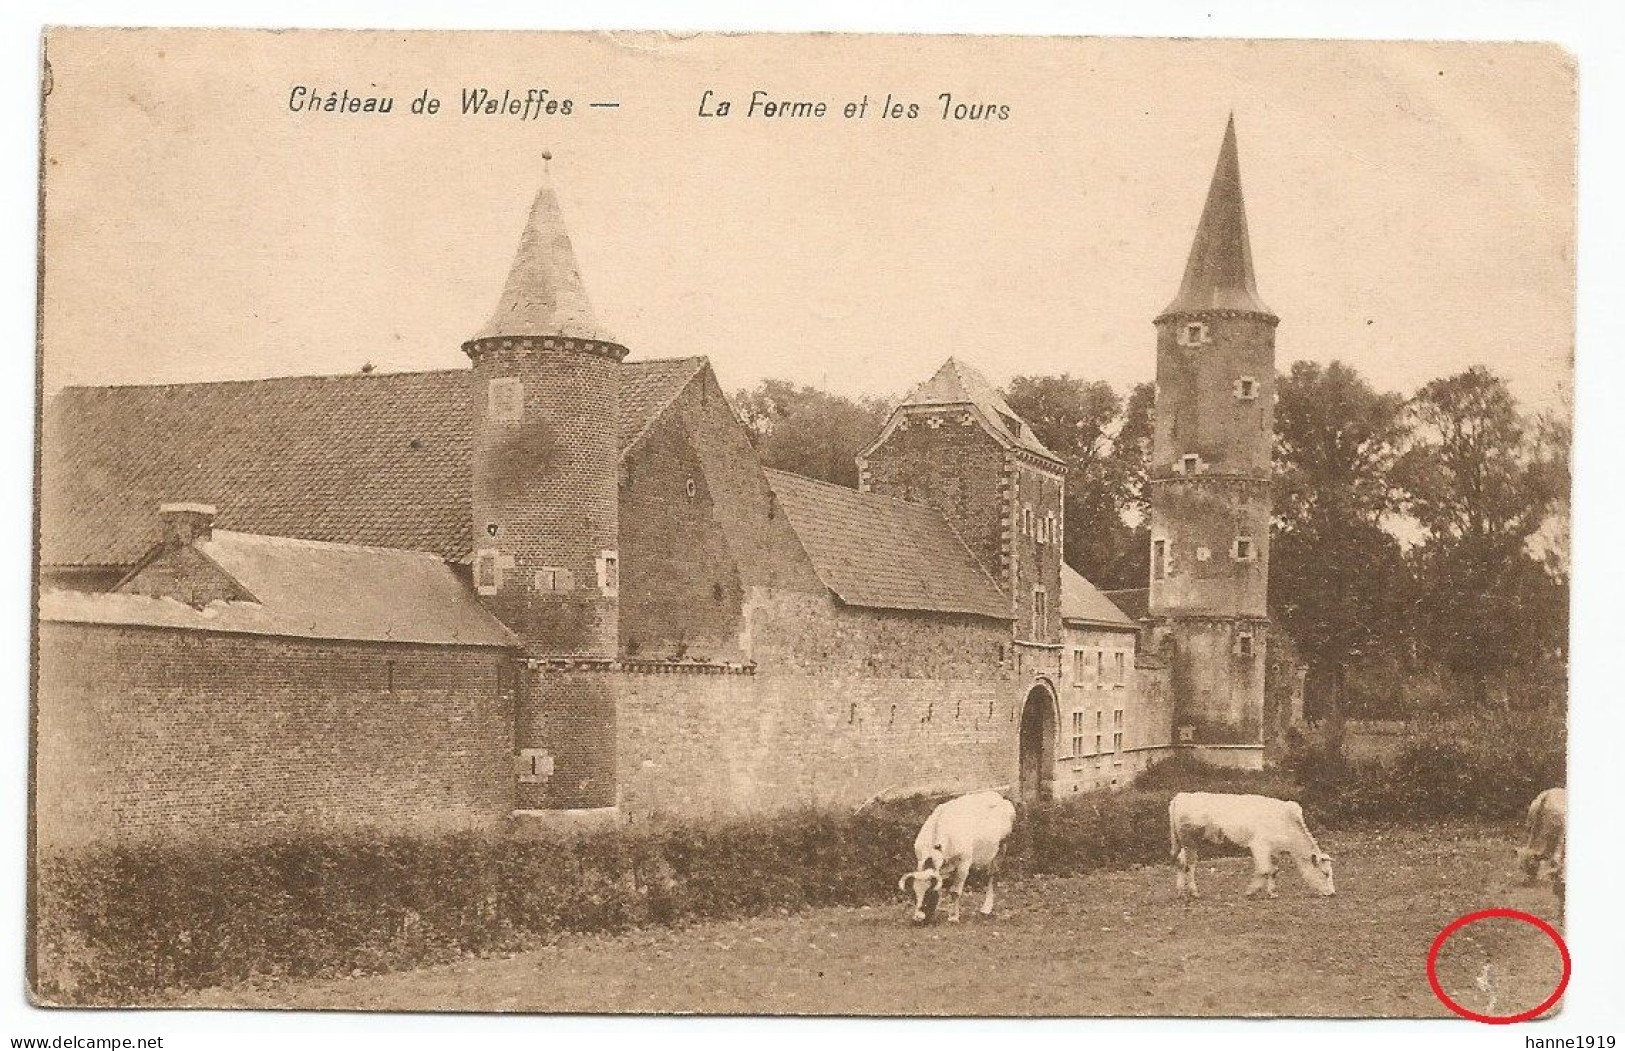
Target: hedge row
[[123, 924]]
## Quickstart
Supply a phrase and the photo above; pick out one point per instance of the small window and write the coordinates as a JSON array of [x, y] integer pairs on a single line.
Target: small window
[[533, 765], [1100, 667], [1159, 559], [1247, 388], [1187, 734], [1243, 550], [1190, 463], [487, 573], [1122, 669], [691, 489], [552, 578], [1098, 748], [1193, 334], [505, 399], [609, 572], [1244, 644], [1077, 733], [1080, 665], [1203, 553], [1040, 613]]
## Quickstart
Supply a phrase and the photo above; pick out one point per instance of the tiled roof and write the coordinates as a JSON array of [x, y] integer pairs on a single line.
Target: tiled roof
[[1082, 601], [885, 553], [956, 383], [380, 460], [309, 589], [1135, 602]]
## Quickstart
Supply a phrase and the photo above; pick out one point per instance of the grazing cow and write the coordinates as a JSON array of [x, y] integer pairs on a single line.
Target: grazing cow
[[960, 835], [1546, 839], [1265, 826]]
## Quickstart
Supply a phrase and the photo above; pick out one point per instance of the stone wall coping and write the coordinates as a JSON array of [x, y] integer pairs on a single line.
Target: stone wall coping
[[632, 664]]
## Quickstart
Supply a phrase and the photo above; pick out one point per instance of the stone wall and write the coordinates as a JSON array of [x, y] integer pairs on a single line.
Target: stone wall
[[843, 704], [154, 731]]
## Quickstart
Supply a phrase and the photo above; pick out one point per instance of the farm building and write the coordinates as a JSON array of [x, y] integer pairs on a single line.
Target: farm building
[[561, 580]]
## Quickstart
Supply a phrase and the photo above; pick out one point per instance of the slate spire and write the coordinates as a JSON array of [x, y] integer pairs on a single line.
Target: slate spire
[[1219, 274], [544, 295]]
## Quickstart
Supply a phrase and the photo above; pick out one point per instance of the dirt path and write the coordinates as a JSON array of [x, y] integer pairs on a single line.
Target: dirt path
[[1115, 943]]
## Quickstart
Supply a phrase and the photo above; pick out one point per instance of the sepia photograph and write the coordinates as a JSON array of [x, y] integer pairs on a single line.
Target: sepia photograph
[[825, 524]]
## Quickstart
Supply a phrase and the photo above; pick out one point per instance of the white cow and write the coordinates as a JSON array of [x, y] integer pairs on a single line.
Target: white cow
[[1546, 839], [960, 835], [1265, 826]]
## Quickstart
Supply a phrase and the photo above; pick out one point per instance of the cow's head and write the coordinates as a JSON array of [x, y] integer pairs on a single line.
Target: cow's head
[[1530, 864], [1317, 872], [926, 883]]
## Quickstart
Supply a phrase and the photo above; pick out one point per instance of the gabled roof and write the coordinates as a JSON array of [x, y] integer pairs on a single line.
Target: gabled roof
[[956, 383], [381, 460], [309, 589], [885, 553], [544, 295], [1135, 602], [1219, 273], [1084, 603]]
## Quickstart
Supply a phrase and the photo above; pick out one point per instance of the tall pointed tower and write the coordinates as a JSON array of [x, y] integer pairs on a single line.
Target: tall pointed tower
[[1210, 480], [546, 383]]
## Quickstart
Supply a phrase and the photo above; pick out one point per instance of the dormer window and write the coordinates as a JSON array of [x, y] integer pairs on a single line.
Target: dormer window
[[1190, 464], [1193, 334], [1247, 388]]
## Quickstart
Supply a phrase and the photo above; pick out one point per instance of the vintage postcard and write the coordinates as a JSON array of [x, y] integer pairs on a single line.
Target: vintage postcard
[[837, 525]]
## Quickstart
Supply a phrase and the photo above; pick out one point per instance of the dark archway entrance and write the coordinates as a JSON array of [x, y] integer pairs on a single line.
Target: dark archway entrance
[[1038, 745]]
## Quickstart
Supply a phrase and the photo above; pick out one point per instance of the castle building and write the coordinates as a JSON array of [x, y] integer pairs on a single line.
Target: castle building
[[1210, 482], [560, 581]]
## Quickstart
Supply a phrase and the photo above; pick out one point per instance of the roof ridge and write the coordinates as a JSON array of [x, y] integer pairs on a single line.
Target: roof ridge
[[701, 363], [464, 369], [262, 379], [333, 544], [854, 492]]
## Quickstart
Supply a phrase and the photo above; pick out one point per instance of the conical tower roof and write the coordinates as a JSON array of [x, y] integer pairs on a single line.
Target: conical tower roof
[[1219, 275], [544, 295]]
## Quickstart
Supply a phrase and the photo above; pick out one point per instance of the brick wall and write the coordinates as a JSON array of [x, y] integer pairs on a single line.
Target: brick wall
[[545, 483], [688, 560], [569, 711], [956, 467], [147, 731], [1037, 495]]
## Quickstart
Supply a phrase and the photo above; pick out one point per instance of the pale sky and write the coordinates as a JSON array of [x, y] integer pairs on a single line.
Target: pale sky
[[1411, 206]]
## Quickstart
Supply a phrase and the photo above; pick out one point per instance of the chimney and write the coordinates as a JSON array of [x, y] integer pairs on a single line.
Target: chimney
[[185, 524]]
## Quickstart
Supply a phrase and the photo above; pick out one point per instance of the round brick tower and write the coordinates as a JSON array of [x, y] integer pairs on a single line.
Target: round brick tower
[[1210, 480], [546, 382]]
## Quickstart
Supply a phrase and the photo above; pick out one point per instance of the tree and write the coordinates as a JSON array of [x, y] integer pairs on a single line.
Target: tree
[[1085, 424], [1337, 577], [1478, 489], [809, 431]]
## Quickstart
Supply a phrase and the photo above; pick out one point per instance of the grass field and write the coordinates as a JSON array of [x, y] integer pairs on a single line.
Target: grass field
[[1109, 943]]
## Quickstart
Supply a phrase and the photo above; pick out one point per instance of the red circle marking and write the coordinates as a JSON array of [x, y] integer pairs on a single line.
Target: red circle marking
[[1486, 914]]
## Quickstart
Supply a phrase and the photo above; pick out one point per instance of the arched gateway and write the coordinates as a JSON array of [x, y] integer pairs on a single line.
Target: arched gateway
[[1038, 728]]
